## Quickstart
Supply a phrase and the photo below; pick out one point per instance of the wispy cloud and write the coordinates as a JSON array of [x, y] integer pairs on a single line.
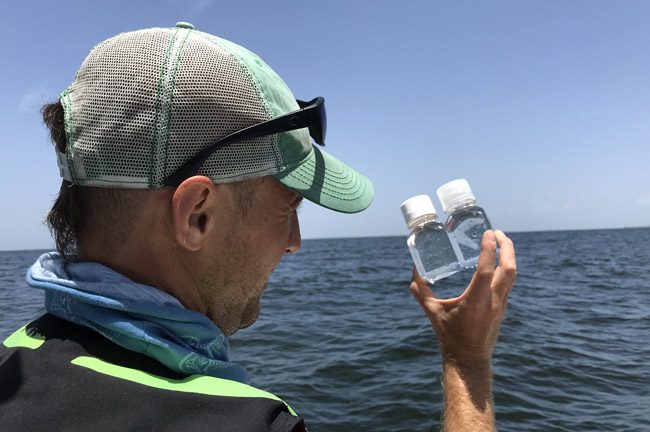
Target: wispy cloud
[[547, 204], [33, 99], [643, 201]]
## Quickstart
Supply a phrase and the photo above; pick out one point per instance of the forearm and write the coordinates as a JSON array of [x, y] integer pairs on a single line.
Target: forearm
[[468, 398]]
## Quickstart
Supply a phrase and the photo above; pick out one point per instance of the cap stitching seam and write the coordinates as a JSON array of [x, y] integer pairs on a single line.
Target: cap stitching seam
[[171, 100], [163, 73], [325, 188], [296, 162], [228, 177], [69, 127]]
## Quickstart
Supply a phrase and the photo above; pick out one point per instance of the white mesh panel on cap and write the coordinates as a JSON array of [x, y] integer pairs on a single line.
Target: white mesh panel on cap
[[145, 102], [113, 108], [215, 96]]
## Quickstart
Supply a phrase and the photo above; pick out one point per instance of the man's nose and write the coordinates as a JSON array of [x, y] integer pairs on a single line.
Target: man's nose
[[294, 235]]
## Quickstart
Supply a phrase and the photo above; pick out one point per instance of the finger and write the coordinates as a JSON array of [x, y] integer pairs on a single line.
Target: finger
[[506, 272], [415, 277], [419, 287], [482, 278], [487, 259], [423, 294]]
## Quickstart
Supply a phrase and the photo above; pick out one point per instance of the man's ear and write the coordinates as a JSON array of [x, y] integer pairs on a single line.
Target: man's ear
[[194, 211]]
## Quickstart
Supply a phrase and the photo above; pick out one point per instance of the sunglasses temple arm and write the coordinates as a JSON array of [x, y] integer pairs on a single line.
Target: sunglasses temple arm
[[196, 162], [298, 120]]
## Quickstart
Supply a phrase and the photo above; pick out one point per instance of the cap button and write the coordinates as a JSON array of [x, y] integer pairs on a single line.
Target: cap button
[[186, 25]]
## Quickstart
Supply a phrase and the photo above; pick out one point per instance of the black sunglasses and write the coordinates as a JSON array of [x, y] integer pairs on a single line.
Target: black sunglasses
[[311, 115]]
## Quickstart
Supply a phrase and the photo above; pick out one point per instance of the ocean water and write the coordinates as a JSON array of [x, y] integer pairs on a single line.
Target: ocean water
[[342, 341]]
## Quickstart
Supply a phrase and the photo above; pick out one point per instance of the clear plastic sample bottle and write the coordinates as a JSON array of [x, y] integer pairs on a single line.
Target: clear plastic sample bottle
[[466, 222], [429, 244]]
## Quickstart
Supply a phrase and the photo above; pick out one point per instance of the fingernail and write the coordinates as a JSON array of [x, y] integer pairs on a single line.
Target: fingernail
[[490, 235]]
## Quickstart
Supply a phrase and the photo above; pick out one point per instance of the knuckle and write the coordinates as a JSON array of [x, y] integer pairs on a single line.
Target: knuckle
[[484, 273], [510, 270]]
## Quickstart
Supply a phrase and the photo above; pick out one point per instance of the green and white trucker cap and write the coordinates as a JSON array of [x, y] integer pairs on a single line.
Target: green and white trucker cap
[[144, 102]]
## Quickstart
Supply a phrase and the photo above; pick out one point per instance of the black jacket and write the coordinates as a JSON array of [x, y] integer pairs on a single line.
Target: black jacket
[[56, 375]]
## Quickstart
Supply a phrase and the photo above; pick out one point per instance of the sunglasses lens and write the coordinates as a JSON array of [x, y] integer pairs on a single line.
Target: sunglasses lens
[[317, 130], [323, 123]]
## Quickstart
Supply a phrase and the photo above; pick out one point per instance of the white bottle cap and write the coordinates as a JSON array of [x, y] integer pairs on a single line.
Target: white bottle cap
[[455, 194], [416, 207]]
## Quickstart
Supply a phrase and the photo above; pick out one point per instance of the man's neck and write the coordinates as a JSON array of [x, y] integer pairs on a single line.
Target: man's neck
[[161, 266]]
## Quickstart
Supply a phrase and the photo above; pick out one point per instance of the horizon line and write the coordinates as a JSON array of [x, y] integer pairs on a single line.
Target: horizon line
[[406, 234]]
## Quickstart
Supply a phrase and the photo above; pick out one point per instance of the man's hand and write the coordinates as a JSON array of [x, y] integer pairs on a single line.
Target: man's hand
[[467, 328]]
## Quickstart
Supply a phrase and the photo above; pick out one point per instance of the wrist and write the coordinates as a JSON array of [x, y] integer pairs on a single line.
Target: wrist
[[477, 363], [475, 373], [471, 374]]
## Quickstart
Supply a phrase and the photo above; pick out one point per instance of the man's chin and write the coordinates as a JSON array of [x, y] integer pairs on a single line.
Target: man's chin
[[251, 314], [232, 327], [247, 324]]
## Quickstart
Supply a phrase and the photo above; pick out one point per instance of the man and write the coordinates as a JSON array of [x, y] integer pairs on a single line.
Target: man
[[184, 159]]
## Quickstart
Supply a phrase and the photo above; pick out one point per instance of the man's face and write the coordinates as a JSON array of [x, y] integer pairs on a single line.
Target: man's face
[[251, 249]]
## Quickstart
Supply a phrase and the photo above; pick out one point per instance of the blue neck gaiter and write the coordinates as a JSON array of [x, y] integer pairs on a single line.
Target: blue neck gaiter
[[137, 317]]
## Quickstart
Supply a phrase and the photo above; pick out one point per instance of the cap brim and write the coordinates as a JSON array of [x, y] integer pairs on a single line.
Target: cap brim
[[328, 182]]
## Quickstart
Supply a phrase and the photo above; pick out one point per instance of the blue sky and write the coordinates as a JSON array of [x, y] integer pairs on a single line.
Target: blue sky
[[543, 106]]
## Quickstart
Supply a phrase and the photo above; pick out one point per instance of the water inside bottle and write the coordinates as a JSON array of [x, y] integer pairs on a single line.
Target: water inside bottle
[[432, 252], [467, 227]]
